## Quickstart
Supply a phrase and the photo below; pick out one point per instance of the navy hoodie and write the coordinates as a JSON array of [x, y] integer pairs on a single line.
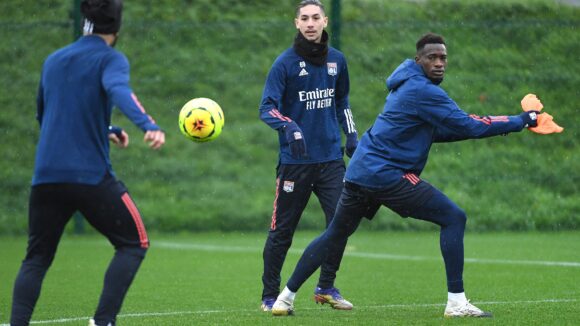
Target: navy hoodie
[[416, 114]]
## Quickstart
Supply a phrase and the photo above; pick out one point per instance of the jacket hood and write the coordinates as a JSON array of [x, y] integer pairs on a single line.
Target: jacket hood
[[404, 71]]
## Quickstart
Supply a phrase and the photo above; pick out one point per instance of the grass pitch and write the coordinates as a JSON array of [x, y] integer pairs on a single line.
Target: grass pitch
[[391, 278]]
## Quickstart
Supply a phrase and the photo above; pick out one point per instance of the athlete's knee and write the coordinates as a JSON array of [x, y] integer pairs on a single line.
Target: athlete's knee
[[138, 252], [342, 228], [280, 237], [335, 233], [457, 216], [41, 257], [38, 261]]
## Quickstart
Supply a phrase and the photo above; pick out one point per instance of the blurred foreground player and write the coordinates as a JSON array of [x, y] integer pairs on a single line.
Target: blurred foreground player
[[78, 87]]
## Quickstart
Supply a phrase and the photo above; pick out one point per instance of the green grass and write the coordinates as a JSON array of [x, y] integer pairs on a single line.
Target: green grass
[[392, 278]]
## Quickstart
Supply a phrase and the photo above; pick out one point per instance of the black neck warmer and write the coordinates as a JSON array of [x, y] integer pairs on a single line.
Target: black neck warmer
[[314, 53]]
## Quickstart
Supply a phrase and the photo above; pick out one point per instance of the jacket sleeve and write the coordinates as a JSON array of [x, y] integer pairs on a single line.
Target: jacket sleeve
[[272, 96], [343, 112], [452, 124], [115, 81]]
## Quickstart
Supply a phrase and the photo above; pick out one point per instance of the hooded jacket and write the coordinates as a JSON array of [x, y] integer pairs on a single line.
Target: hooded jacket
[[417, 113]]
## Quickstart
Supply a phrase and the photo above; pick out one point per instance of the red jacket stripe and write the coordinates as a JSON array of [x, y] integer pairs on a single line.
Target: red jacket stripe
[[276, 114], [136, 100], [485, 120]]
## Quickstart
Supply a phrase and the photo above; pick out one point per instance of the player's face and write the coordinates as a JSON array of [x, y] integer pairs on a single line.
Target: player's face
[[433, 59], [311, 21]]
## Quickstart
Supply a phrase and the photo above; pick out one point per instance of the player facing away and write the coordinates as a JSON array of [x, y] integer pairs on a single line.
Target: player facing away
[[305, 99], [386, 168], [78, 86]]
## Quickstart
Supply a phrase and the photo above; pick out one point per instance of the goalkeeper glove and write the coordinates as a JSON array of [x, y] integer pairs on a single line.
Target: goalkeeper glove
[[351, 143], [295, 139], [531, 102], [530, 118]]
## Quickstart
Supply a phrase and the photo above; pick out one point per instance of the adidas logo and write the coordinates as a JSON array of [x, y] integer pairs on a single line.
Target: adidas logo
[[303, 72]]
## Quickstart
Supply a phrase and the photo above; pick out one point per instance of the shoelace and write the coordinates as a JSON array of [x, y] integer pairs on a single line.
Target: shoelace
[[288, 302], [335, 293], [268, 303], [470, 308]]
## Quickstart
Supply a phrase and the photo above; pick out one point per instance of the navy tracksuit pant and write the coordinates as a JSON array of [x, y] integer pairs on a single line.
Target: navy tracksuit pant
[[411, 197], [294, 185], [109, 209]]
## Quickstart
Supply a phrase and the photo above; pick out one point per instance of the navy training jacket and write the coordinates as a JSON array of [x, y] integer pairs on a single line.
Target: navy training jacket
[[78, 87], [417, 113], [315, 97]]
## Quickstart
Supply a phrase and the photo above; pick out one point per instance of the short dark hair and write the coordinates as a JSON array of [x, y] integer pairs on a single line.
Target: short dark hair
[[305, 3], [429, 38]]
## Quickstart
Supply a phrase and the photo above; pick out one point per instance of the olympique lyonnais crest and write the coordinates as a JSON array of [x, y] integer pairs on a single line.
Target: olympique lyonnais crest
[[332, 68], [288, 186]]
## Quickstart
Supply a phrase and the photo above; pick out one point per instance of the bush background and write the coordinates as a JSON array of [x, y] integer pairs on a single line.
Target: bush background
[[498, 52]]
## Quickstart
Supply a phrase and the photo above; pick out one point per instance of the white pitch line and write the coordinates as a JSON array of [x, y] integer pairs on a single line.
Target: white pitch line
[[478, 302], [389, 306], [206, 247]]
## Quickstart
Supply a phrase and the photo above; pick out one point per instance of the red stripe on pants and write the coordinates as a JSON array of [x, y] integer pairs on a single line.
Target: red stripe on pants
[[273, 224], [137, 219]]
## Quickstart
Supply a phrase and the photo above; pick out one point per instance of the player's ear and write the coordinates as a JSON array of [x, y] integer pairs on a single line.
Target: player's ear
[[325, 21], [296, 23]]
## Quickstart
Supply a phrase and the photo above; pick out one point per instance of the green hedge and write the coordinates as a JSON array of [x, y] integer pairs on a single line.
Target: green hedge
[[498, 52]]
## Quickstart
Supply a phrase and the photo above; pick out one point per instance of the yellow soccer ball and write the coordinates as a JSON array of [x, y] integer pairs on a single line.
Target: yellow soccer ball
[[201, 120]]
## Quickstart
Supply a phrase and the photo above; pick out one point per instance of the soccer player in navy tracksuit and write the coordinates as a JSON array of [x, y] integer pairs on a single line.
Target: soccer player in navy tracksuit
[[385, 170], [78, 87], [306, 100]]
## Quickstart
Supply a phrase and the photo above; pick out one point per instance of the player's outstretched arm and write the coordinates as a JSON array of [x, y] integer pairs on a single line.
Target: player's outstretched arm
[[115, 81], [453, 124]]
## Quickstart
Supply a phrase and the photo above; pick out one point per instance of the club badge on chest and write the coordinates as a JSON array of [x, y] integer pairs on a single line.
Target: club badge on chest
[[332, 68]]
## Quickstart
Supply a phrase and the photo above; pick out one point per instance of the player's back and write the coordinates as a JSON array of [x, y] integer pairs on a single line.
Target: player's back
[[74, 113]]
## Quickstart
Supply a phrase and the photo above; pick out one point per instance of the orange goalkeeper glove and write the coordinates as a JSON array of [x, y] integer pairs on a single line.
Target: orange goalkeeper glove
[[545, 123], [531, 102]]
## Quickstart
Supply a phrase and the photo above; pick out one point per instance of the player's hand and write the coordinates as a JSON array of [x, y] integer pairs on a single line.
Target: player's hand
[[295, 139], [351, 143], [118, 136], [155, 138], [530, 118]]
